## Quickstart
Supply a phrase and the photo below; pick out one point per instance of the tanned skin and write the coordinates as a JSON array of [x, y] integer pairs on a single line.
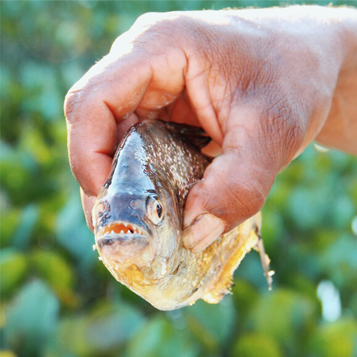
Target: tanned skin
[[262, 83]]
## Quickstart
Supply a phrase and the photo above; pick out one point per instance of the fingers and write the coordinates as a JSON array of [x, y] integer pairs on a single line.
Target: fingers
[[234, 187], [92, 108], [88, 201], [232, 190], [135, 79], [87, 204]]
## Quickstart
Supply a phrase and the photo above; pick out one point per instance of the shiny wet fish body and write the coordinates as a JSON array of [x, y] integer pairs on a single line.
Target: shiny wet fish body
[[138, 220]]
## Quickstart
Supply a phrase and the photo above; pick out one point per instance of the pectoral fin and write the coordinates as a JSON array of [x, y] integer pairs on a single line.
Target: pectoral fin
[[265, 262], [240, 241], [222, 285]]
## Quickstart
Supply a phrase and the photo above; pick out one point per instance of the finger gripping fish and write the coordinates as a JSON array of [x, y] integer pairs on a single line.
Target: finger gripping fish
[[138, 220]]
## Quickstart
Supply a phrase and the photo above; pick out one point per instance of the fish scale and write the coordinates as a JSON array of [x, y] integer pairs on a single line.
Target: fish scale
[[157, 163]]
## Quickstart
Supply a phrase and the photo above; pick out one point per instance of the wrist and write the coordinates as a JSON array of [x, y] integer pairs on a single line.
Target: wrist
[[340, 128], [346, 24]]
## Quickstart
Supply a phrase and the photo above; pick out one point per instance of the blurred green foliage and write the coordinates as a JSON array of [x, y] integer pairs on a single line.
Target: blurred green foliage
[[57, 299]]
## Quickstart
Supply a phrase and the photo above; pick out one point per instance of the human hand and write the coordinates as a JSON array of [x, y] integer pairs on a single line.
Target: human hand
[[261, 83]]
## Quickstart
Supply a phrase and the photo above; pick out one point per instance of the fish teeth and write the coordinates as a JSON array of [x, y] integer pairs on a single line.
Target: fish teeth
[[130, 229]]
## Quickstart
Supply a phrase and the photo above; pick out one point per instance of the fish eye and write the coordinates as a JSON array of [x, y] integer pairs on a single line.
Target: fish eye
[[154, 210]]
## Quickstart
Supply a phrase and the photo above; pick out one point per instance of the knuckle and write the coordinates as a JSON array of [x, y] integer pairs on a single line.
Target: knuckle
[[284, 124], [81, 170], [72, 105], [147, 19], [156, 26], [248, 198], [163, 28], [237, 198], [74, 164]]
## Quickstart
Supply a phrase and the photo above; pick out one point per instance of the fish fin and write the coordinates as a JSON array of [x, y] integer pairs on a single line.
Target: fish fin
[[265, 260], [195, 135], [223, 283]]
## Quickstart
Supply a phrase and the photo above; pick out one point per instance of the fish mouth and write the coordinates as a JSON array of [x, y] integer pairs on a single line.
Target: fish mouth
[[121, 232]]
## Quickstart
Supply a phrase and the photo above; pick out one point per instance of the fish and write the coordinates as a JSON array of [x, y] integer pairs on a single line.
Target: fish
[[138, 220]]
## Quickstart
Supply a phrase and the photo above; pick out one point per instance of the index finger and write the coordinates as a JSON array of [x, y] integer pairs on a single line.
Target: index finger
[[93, 108], [142, 73]]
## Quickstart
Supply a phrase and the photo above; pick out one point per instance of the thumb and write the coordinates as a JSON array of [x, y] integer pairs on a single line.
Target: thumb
[[234, 188]]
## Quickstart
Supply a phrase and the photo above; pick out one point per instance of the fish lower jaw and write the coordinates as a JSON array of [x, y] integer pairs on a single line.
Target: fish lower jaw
[[120, 236]]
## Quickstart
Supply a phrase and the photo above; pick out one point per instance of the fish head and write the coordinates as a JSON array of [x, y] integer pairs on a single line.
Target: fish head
[[136, 217]]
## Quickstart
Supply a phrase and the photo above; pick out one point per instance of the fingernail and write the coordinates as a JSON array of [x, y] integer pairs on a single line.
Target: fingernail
[[87, 204], [189, 218], [204, 230]]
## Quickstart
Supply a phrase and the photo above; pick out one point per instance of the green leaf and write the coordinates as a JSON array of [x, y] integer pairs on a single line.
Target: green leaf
[[244, 296], [285, 316], [25, 229], [9, 221], [340, 261], [57, 273], [306, 220], [256, 344], [111, 325], [70, 338], [335, 339], [307, 210], [7, 354], [31, 319], [159, 338], [12, 267], [74, 234], [212, 324], [96, 333]]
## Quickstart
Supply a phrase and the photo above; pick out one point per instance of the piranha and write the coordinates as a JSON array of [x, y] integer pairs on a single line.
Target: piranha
[[138, 220]]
